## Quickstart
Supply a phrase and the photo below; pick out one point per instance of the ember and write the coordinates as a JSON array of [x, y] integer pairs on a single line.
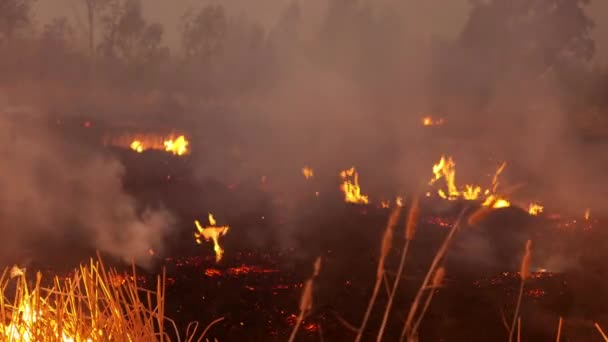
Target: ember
[[429, 121], [308, 172]]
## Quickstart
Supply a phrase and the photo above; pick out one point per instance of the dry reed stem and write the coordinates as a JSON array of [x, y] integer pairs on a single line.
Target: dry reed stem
[[306, 299], [387, 241], [86, 306], [524, 273], [559, 329], [436, 283], [518, 329], [410, 233], [438, 257], [597, 326]]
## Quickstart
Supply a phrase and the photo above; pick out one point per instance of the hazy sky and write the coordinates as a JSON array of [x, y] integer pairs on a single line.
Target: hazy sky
[[435, 16]]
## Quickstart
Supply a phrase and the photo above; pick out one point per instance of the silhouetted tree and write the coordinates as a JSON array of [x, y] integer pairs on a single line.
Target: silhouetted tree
[[94, 9], [537, 34], [14, 15], [129, 39], [204, 33]]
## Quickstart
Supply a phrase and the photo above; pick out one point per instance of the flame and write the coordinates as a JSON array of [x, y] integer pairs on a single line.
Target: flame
[[535, 209], [178, 146], [399, 201], [351, 189], [385, 204], [446, 169], [137, 146], [429, 121], [587, 214], [213, 233], [308, 172]]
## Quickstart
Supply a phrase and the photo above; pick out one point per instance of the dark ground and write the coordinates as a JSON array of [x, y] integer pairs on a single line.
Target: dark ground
[[274, 239]]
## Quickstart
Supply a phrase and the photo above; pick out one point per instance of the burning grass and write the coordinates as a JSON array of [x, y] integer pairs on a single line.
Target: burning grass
[[88, 306]]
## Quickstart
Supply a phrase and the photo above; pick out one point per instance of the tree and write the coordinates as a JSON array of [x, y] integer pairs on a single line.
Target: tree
[[128, 38], [14, 15], [204, 32], [93, 9], [536, 34]]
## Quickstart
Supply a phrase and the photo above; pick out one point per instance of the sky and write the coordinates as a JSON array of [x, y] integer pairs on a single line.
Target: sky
[[439, 17]]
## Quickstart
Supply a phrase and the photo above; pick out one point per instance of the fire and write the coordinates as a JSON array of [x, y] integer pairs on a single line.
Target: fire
[[399, 201], [213, 233], [535, 209], [351, 189], [587, 214], [385, 204], [137, 146], [308, 172], [178, 146], [446, 169], [429, 121]]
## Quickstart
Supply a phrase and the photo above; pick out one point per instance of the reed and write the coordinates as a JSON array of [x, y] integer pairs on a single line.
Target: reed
[[95, 304], [410, 233], [387, 241], [524, 274], [436, 260], [306, 299]]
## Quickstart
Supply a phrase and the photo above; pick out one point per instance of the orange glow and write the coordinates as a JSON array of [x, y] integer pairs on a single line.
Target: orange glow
[[446, 169], [177, 145], [429, 121], [213, 233], [399, 201], [350, 187], [587, 214], [308, 172], [535, 209], [385, 204]]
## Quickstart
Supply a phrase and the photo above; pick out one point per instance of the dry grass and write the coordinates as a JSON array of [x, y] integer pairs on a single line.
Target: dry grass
[[95, 304], [524, 273], [410, 233], [306, 299], [387, 241]]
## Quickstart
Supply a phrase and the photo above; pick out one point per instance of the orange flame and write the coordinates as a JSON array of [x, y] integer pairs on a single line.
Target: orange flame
[[446, 169], [308, 172], [351, 189], [212, 232], [535, 209], [587, 214], [178, 146], [429, 121]]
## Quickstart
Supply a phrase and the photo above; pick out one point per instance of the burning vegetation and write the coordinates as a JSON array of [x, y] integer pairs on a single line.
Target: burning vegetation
[[176, 145], [213, 233], [350, 187]]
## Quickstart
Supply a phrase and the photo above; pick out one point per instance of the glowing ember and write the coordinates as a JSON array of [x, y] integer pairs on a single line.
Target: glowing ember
[[350, 187], [212, 232], [385, 204], [399, 201], [308, 172], [429, 121], [535, 209], [587, 214]]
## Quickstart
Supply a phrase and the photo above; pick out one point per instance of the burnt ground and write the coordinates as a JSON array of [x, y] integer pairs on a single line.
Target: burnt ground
[[274, 239]]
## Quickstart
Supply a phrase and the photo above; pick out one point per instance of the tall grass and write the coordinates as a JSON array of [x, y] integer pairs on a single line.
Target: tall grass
[[95, 304], [387, 241], [410, 233]]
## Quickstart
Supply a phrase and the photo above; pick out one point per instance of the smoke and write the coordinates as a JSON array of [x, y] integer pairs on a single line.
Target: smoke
[[59, 198]]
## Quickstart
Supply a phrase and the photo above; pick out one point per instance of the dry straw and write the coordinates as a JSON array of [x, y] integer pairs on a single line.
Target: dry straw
[[524, 273], [410, 233], [306, 299], [387, 241]]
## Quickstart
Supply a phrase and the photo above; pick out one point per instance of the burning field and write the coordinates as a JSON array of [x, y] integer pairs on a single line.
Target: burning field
[[401, 266]]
